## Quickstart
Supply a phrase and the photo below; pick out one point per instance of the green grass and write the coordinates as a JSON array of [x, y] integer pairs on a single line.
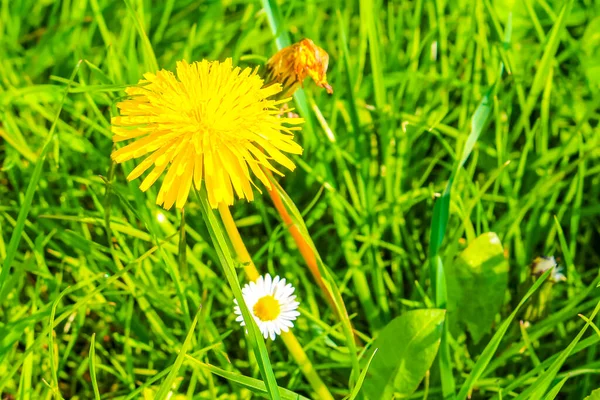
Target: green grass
[[449, 119]]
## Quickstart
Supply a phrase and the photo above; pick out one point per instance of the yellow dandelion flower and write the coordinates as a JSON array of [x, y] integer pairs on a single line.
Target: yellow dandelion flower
[[210, 122], [292, 64]]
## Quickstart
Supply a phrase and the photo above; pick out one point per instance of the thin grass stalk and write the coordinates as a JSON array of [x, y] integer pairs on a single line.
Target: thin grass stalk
[[288, 338]]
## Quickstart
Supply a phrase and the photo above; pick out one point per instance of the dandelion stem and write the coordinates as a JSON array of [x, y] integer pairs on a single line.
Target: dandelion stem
[[237, 242], [289, 338]]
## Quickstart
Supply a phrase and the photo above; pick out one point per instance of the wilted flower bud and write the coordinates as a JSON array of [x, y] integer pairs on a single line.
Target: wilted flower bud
[[292, 64], [543, 264], [539, 306]]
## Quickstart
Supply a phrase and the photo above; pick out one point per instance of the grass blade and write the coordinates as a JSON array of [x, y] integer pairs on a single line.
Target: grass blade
[[166, 386], [361, 378], [150, 63], [92, 365], [255, 339], [255, 385], [537, 390], [556, 389]]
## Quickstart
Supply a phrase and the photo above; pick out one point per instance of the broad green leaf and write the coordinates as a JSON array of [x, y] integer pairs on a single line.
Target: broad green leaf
[[477, 282], [406, 348], [595, 395]]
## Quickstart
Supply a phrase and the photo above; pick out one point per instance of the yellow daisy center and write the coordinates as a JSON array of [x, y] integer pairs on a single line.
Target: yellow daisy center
[[267, 308]]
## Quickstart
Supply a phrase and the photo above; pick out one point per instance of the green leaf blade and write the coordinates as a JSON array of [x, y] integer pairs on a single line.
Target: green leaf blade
[[406, 348]]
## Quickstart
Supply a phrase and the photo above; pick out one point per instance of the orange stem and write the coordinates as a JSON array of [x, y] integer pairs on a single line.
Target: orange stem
[[304, 247]]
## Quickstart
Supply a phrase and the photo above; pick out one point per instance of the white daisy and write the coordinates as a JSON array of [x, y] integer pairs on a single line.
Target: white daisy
[[271, 303]]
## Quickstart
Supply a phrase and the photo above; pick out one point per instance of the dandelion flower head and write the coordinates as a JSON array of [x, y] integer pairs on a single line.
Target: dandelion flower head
[[272, 304], [209, 122], [292, 64]]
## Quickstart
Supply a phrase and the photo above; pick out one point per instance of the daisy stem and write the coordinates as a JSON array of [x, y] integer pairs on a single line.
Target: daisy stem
[[306, 366], [288, 338]]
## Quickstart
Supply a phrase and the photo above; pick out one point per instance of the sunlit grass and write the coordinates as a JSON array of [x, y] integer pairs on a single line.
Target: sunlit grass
[[448, 120]]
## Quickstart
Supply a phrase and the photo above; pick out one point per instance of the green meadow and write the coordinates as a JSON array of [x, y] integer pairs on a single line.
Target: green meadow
[[458, 153]]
